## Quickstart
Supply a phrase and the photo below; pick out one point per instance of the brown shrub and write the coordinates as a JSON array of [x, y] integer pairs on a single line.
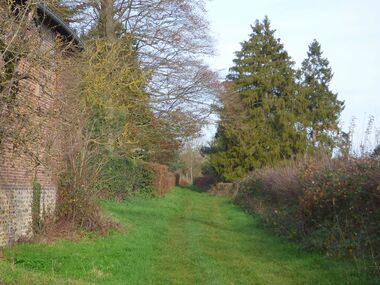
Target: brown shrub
[[332, 205], [225, 189], [204, 182], [53, 231], [164, 180], [183, 181]]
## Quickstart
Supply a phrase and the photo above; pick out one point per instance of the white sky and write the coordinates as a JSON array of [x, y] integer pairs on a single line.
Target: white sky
[[348, 30]]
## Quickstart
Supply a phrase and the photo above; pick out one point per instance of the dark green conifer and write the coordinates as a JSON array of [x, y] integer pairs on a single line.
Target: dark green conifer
[[323, 107], [268, 128]]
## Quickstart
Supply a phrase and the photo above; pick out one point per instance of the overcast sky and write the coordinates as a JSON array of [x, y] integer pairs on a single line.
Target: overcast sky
[[348, 30]]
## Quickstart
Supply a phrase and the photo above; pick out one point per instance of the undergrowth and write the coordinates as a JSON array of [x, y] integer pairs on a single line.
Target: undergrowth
[[331, 205]]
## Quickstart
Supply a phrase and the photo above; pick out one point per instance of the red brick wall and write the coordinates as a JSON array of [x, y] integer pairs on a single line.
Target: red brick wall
[[17, 168]]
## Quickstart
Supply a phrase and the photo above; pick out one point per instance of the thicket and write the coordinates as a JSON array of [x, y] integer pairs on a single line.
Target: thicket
[[331, 205], [123, 177], [136, 102], [163, 179], [108, 129], [123, 95]]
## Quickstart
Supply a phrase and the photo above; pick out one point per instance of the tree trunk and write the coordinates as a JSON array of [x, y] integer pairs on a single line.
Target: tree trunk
[[107, 23]]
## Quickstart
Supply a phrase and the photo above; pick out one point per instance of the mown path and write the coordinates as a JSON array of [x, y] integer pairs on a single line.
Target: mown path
[[186, 238]]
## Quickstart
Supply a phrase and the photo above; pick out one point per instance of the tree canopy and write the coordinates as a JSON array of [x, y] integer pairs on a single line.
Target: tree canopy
[[269, 111], [323, 107]]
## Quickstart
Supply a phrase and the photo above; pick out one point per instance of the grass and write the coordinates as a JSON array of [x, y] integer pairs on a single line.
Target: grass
[[187, 238]]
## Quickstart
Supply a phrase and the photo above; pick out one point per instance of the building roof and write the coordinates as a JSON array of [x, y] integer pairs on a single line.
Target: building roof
[[57, 23]]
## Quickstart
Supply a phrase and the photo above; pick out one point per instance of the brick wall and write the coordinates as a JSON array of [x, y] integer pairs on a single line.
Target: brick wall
[[17, 169]]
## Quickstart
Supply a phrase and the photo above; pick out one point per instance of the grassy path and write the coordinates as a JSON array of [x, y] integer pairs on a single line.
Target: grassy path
[[186, 238]]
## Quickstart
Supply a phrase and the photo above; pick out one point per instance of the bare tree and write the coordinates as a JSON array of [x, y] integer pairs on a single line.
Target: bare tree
[[171, 38], [191, 161]]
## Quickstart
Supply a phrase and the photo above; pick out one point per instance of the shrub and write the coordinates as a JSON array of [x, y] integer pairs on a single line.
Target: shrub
[[225, 189], [344, 197], [164, 180], [204, 182], [333, 205], [122, 177], [273, 194]]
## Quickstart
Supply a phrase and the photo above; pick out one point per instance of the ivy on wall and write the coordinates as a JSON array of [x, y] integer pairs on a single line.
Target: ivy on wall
[[36, 207]]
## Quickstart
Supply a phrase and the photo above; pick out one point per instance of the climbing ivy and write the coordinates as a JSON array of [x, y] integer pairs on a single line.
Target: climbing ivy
[[36, 207]]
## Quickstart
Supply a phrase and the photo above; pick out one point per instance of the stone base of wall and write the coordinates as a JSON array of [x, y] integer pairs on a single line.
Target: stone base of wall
[[4, 218], [16, 205]]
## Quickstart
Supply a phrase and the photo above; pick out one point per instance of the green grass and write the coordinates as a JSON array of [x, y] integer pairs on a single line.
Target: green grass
[[186, 238]]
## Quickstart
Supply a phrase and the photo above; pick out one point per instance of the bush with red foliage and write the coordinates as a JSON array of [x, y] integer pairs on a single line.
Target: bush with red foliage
[[164, 180], [332, 205]]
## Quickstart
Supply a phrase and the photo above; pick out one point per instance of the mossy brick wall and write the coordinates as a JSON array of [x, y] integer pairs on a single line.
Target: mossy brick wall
[[17, 171]]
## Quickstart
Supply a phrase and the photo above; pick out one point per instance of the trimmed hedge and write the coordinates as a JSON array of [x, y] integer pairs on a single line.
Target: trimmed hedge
[[164, 180], [122, 177]]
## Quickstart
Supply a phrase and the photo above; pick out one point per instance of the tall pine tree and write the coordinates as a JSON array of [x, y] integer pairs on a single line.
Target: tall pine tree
[[323, 107], [268, 128]]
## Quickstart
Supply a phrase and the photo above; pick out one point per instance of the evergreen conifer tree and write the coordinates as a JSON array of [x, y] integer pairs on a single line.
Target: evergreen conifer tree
[[267, 128], [323, 107]]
